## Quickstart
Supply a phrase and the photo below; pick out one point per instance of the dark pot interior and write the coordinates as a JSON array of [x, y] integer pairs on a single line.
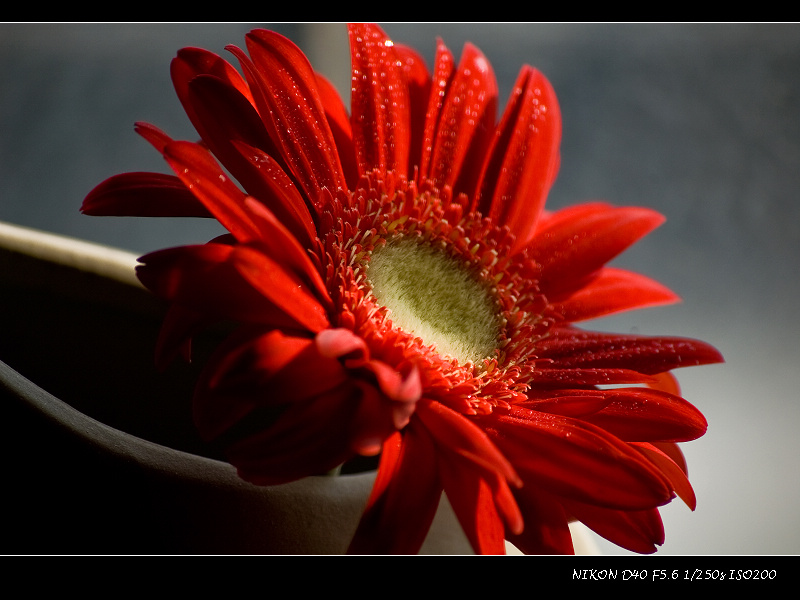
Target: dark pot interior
[[89, 340]]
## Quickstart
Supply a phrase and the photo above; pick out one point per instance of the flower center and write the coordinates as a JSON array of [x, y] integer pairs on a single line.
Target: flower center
[[433, 296]]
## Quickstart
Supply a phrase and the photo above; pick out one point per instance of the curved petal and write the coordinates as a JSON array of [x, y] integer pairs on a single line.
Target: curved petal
[[443, 69], [225, 119], [633, 414], [638, 531], [458, 435], [278, 242], [566, 402], [228, 282], [221, 114], [275, 421], [666, 382], [341, 128], [464, 122], [645, 415], [404, 499], [610, 291], [390, 394], [577, 460], [577, 241], [143, 195], [223, 111], [155, 136], [279, 362], [476, 477], [252, 360], [402, 388], [279, 194], [475, 505], [546, 524], [372, 421], [379, 104], [672, 450], [198, 171], [306, 439], [570, 348], [554, 377], [524, 158], [284, 89], [285, 290], [673, 470], [419, 89], [191, 62], [180, 325]]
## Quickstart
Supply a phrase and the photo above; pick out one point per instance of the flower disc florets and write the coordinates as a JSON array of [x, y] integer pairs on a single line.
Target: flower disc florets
[[470, 325]]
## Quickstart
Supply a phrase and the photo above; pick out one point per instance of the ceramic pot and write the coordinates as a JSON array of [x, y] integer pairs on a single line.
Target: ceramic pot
[[100, 453]]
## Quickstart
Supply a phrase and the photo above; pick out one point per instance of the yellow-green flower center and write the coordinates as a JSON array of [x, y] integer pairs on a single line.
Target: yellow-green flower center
[[435, 297]]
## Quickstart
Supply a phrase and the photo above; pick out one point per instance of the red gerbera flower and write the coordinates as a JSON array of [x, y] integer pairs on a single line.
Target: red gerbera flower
[[400, 291]]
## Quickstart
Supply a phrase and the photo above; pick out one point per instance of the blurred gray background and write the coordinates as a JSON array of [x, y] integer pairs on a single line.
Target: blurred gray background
[[698, 121]]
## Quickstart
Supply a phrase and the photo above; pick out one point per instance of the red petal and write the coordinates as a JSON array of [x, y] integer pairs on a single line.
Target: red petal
[[224, 117], [393, 450], [613, 290], [341, 343], [221, 113], [202, 175], [399, 391], [191, 62], [217, 280], [474, 503], [558, 377], [419, 89], [637, 531], [180, 325], [476, 477], [284, 88], [306, 439], [524, 158], [379, 104], [143, 195], [633, 414], [463, 438], [371, 423], [406, 389], [342, 131], [222, 110], [242, 363], [570, 348], [546, 524], [404, 499], [666, 382], [465, 122], [157, 138], [281, 288], [280, 244], [674, 472], [641, 414], [575, 242], [253, 369], [245, 220], [674, 452], [280, 195], [444, 67], [567, 403], [577, 460]]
